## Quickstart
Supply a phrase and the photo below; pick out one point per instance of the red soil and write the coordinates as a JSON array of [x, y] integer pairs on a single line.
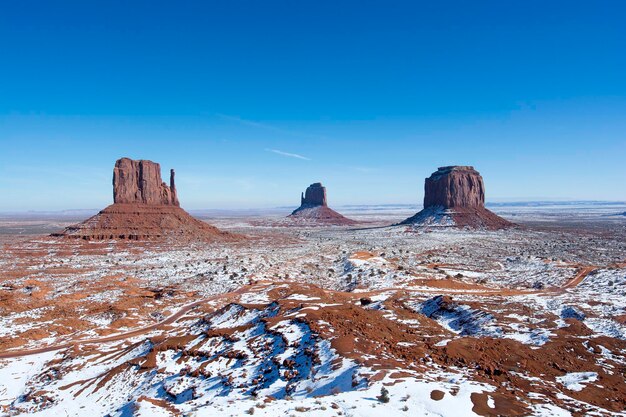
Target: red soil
[[479, 217], [145, 222], [323, 215], [470, 217]]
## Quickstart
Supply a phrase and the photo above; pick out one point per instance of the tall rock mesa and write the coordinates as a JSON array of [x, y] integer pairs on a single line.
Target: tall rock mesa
[[144, 208], [139, 182], [454, 186], [454, 196], [314, 208], [315, 195]]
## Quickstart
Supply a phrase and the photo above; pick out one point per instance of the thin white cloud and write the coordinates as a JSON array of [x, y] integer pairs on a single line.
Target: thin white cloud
[[288, 154]]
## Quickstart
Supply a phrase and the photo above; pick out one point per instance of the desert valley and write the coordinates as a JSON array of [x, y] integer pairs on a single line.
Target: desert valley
[[144, 309]]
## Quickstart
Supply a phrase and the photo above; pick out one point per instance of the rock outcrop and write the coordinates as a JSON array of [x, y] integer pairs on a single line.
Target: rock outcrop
[[315, 195], [144, 208], [140, 182], [455, 196], [314, 208], [454, 186]]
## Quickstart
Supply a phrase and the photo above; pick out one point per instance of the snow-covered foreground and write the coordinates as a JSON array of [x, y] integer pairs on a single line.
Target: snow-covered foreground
[[238, 360], [294, 348], [318, 321]]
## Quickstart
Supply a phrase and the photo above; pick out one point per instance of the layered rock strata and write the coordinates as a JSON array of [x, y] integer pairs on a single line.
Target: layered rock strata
[[314, 208], [144, 208], [140, 182], [455, 196], [454, 186]]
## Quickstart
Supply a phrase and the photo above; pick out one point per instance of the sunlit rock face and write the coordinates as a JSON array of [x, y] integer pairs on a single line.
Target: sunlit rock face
[[454, 186], [454, 196], [144, 208], [139, 182]]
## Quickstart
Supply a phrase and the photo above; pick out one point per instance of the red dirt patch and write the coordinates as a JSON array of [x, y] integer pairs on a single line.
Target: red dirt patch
[[145, 222]]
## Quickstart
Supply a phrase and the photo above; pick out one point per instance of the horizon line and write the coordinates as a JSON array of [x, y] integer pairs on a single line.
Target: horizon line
[[566, 201]]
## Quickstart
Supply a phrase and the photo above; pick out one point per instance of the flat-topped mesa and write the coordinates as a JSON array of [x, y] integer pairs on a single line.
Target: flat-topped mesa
[[454, 196], [139, 182], [454, 186], [315, 195]]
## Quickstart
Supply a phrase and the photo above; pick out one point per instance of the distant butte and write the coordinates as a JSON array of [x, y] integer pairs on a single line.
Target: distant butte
[[455, 196], [314, 208], [144, 208]]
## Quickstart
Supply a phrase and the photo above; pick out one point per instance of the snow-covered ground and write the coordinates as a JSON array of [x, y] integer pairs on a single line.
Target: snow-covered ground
[[333, 316]]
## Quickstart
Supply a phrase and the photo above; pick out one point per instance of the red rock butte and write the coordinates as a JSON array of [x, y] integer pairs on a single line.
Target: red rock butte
[[144, 208], [455, 196], [315, 195], [314, 208], [140, 182]]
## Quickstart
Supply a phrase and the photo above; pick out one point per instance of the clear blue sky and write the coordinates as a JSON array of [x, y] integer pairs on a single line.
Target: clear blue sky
[[372, 97]]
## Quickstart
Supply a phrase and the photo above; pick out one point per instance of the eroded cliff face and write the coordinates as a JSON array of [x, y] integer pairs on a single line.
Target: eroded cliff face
[[144, 208], [454, 186], [314, 208], [454, 196], [139, 182], [315, 195]]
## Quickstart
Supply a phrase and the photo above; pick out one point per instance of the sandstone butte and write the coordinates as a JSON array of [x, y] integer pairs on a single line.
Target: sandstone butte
[[139, 182], [455, 196], [144, 208], [314, 208]]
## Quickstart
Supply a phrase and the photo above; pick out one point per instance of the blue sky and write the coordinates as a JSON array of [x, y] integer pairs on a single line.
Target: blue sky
[[253, 101]]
